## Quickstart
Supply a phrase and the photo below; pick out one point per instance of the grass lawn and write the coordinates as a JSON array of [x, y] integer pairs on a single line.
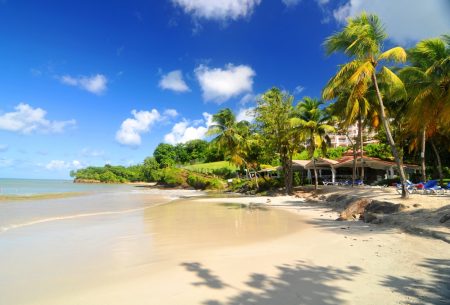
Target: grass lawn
[[211, 166]]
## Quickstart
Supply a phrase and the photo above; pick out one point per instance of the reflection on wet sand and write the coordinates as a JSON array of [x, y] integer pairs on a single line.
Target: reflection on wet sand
[[189, 226], [70, 248]]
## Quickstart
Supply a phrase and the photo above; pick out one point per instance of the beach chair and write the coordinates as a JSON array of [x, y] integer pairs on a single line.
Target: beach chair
[[432, 187], [410, 187]]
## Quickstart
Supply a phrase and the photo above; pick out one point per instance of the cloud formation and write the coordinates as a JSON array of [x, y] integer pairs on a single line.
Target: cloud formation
[[131, 129], [220, 10], [186, 131], [290, 3], [246, 114], [3, 147], [406, 21], [96, 84], [26, 119], [63, 165], [219, 85], [174, 81]]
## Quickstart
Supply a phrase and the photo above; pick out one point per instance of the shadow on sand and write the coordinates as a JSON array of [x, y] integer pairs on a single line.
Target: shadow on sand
[[436, 291], [294, 284]]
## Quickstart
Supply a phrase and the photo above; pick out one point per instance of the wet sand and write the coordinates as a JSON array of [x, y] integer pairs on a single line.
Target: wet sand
[[83, 250], [140, 249]]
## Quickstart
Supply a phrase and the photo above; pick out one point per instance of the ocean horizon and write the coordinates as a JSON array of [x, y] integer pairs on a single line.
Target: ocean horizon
[[29, 187]]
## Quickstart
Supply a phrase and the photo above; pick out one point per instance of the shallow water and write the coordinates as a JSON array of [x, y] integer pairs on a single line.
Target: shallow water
[[70, 246], [28, 187]]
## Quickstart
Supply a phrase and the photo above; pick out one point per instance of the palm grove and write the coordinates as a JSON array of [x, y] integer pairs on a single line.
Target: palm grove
[[406, 90]]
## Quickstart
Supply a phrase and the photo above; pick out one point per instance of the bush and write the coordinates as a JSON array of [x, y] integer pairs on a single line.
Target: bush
[[201, 182], [172, 177], [224, 172], [197, 181]]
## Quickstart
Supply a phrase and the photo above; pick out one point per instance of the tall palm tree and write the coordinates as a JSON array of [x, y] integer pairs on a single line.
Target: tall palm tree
[[234, 138], [427, 80], [315, 123], [274, 114], [362, 39], [352, 109]]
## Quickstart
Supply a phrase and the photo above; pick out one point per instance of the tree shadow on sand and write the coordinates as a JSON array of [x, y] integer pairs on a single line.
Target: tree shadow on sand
[[294, 284], [436, 291], [208, 278]]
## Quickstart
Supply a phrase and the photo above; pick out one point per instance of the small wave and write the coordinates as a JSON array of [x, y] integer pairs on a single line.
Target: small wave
[[76, 216]]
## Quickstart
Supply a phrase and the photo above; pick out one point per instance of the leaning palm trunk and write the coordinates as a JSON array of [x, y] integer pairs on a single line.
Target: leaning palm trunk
[[361, 145], [316, 179], [390, 138], [439, 163], [287, 169], [354, 160], [422, 156]]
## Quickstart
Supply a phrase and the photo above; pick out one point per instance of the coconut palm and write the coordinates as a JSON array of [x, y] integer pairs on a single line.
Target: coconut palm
[[351, 109], [427, 80], [314, 121], [235, 138], [274, 114], [362, 39]]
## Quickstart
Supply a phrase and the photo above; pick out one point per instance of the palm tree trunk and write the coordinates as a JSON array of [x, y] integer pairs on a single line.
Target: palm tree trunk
[[422, 156], [361, 145], [439, 163], [354, 161], [316, 179], [390, 138], [287, 168]]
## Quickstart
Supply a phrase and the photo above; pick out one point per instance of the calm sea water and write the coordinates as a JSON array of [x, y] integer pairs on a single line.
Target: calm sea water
[[44, 186]]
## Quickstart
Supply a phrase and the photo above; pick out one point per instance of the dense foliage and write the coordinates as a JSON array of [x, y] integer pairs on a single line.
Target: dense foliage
[[408, 107]]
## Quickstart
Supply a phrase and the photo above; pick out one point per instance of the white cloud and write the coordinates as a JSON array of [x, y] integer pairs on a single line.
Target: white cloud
[[249, 98], [63, 165], [88, 152], [6, 162], [406, 21], [299, 89], [3, 147], [186, 131], [26, 119], [173, 81], [219, 85], [96, 84], [246, 114], [171, 113], [131, 129], [291, 3], [218, 9]]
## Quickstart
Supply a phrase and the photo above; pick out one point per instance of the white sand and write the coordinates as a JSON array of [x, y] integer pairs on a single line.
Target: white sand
[[317, 261]]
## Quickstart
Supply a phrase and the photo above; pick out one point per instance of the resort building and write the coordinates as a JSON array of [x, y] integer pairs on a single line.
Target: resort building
[[340, 170], [339, 139]]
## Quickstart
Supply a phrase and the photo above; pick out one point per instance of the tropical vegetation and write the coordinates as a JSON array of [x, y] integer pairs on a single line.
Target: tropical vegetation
[[406, 90]]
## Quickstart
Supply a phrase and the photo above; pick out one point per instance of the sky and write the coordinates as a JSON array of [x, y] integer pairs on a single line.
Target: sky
[[92, 82]]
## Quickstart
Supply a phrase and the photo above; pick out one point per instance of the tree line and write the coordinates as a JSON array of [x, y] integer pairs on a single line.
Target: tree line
[[402, 94]]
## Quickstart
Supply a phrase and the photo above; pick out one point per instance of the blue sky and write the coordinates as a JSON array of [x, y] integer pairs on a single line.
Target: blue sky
[[94, 82]]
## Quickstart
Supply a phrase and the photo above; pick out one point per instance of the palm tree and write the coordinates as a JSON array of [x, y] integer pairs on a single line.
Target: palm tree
[[362, 39], [427, 80], [315, 123], [234, 138], [352, 109], [274, 114]]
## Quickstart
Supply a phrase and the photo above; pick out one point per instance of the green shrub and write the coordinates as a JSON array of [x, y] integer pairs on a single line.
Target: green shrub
[[197, 181], [200, 182], [224, 172], [172, 177]]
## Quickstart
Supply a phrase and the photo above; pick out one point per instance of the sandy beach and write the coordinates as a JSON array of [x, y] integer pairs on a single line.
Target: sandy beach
[[151, 249]]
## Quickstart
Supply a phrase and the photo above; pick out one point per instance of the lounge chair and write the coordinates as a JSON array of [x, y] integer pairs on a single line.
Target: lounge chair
[[432, 187], [410, 187]]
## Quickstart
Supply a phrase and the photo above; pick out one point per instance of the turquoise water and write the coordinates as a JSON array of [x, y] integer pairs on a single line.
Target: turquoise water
[[44, 186]]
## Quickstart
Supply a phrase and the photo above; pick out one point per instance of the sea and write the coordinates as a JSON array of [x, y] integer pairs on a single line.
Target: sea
[[30, 187]]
